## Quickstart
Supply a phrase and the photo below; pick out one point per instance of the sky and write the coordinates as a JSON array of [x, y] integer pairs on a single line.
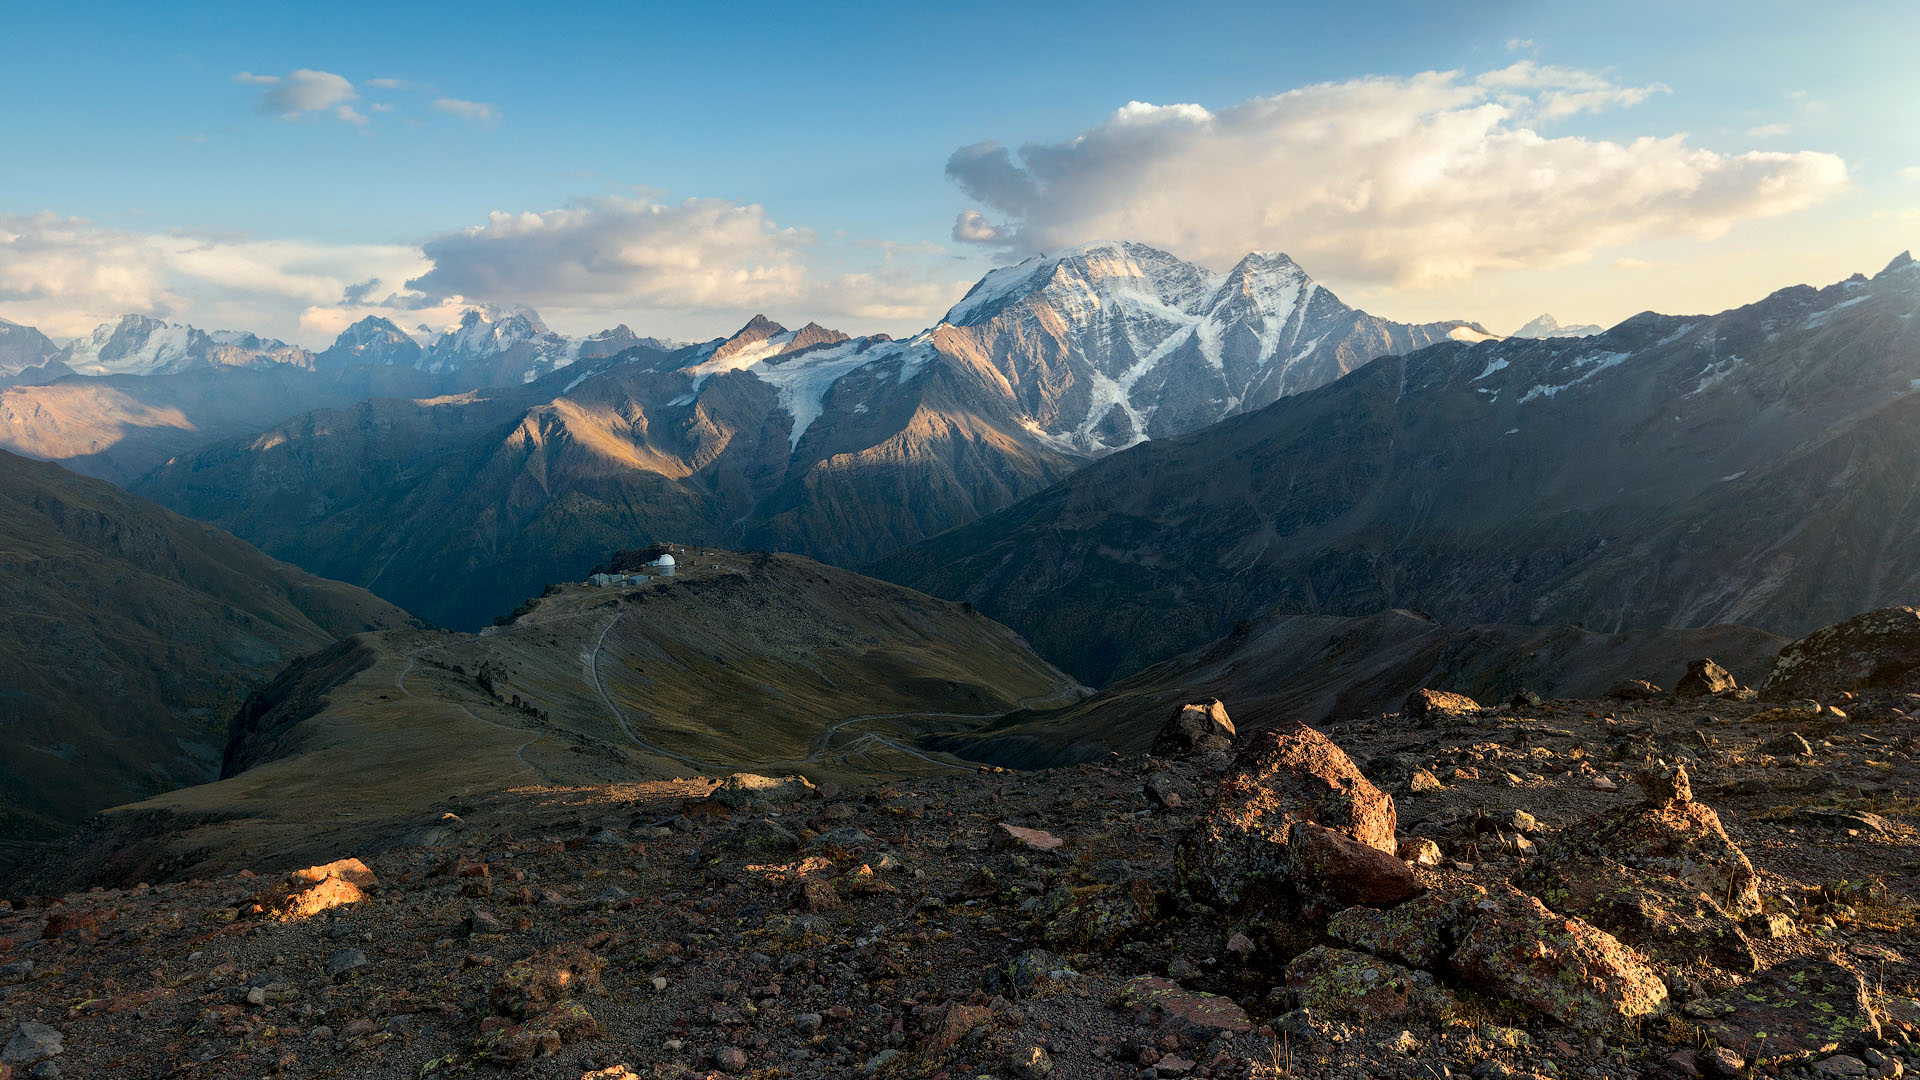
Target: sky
[[681, 168]]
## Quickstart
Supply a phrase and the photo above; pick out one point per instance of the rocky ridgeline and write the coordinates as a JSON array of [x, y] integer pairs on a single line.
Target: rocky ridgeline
[[1652, 885]]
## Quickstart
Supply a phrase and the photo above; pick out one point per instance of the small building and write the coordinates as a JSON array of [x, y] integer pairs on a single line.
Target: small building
[[665, 565], [600, 580]]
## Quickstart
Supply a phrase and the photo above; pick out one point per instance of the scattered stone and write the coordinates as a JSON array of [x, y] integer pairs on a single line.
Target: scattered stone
[[1421, 932], [753, 837], [1429, 706], [1237, 853], [543, 979], [1347, 984], [1633, 690], [1173, 1004], [1034, 1062], [1793, 1010], [1423, 782], [1031, 839], [1604, 783], [1420, 851], [344, 961], [1842, 1065], [1104, 916], [730, 1059], [1704, 678], [1879, 649], [1028, 972], [32, 1044], [1838, 820], [1331, 867], [1562, 967], [1787, 744], [1663, 784], [1195, 729]]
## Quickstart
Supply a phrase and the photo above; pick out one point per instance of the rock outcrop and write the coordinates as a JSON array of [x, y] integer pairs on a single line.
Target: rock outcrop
[[1238, 853], [1195, 729], [1876, 650], [1558, 965]]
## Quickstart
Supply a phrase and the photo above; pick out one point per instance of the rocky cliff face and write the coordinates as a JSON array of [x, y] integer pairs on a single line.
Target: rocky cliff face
[[1749, 467]]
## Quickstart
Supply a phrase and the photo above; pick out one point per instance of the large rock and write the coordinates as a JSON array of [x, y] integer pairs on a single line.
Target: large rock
[[1557, 965], [1333, 870], [1704, 678], [31, 1044], [1430, 706], [1193, 729], [1104, 916], [1790, 1011], [1682, 841], [324, 887], [1421, 933], [741, 788], [1174, 1006], [1878, 649], [1237, 853], [1345, 984], [1663, 917]]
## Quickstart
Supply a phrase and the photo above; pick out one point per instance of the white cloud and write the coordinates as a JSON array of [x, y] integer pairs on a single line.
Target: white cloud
[[615, 254], [471, 110], [1519, 43], [1911, 172], [1414, 181], [304, 91], [388, 84], [349, 114], [1769, 131]]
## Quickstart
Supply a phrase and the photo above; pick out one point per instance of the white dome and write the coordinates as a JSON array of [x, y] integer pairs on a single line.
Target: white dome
[[664, 560]]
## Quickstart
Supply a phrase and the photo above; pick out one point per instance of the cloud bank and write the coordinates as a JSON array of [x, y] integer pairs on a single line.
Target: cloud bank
[[1412, 182]]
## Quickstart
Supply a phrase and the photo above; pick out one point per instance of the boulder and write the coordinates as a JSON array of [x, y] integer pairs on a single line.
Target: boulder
[[1104, 915], [1195, 729], [741, 788], [1421, 932], [1662, 917], [1344, 984], [1237, 852], [545, 979], [1787, 744], [1791, 1011], [1663, 784], [32, 1044], [1880, 649], [1558, 965], [322, 888], [1704, 678], [755, 836], [1682, 841], [1435, 705], [1633, 690], [1334, 870]]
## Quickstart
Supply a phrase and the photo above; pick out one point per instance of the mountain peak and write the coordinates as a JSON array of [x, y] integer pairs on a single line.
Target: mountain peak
[[1546, 326], [1900, 262]]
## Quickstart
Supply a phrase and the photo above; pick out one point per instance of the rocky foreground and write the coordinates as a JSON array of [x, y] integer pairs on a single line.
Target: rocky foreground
[[1643, 886]]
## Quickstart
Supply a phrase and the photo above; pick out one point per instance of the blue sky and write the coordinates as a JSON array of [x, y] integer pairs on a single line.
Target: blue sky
[[152, 173]]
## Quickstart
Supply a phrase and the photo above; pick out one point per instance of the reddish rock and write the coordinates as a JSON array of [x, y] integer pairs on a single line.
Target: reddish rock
[[1791, 1011], [1194, 729], [1664, 917], [1421, 932], [1237, 852], [545, 979], [1560, 966], [1031, 839], [955, 1023], [65, 921], [322, 888], [1329, 867], [1682, 841]]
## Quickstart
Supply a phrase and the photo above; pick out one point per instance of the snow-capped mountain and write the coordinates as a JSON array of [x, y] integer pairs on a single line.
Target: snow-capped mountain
[[1108, 344], [140, 345], [1546, 326], [372, 340], [23, 349]]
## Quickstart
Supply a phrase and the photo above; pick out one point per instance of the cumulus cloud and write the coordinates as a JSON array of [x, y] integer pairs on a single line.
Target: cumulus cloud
[[1412, 181], [304, 91], [619, 253], [470, 110], [67, 275]]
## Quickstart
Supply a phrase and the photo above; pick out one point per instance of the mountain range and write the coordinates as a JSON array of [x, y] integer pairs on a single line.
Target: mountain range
[[1753, 467]]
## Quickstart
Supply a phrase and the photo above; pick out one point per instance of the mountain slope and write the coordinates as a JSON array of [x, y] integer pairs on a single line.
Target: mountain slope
[[1328, 669], [132, 634], [741, 661], [1757, 466], [23, 350]]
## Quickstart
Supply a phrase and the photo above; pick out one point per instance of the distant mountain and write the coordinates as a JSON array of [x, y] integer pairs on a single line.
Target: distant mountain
[[1108, 344], [1546, 326], [132, 634], [843, 449], [373, 340], [23, 349], [1760, 466], [139, 345]]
